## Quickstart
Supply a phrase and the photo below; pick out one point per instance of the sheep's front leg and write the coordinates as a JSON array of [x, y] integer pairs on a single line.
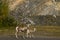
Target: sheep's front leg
[[23, 36], [30, 35]]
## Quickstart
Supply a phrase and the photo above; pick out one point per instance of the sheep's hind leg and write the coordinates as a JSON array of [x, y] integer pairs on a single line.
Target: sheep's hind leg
[[16, 34]]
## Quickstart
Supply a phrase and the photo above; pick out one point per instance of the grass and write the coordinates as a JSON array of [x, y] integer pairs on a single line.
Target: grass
[[41, 31], [7, 31], [49, 31]]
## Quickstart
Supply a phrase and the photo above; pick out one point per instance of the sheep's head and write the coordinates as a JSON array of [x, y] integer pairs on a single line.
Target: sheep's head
[[34, 29]]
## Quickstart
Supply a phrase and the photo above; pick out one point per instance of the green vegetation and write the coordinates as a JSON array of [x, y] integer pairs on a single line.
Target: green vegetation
[[7, 22], [5, 19], [3, 8]]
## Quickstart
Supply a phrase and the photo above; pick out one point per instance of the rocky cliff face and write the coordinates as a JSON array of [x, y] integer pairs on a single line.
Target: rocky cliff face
[[33, 8]]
